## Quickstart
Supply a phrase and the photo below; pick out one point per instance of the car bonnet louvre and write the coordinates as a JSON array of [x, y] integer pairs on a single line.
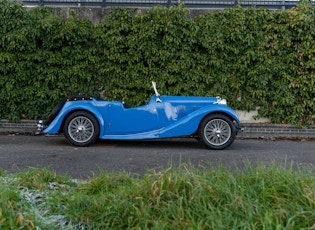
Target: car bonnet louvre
[[194, 108]]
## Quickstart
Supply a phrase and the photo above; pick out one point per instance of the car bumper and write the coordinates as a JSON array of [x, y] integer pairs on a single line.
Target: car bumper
[[40, 126], [239, 129]]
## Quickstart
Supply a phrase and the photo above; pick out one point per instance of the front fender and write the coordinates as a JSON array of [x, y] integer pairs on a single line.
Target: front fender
[[70, 107], [189, 124]]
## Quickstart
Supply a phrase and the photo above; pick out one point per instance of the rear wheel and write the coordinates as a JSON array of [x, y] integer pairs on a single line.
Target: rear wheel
[[217, 131], [81, 129]]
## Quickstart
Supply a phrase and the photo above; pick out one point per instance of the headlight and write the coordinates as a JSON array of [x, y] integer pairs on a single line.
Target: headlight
[[221, 101]]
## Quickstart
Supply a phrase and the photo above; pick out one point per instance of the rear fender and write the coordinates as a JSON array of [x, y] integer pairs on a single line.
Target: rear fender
[[56, 125]]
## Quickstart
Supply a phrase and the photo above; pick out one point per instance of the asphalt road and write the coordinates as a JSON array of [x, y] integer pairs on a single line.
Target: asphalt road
[[138, 157]]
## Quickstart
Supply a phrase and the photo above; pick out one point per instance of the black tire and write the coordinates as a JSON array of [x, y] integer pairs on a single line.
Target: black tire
[[217, 131], [81, 129]]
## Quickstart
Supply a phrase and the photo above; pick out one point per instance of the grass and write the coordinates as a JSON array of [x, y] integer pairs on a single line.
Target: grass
[[259, 197]]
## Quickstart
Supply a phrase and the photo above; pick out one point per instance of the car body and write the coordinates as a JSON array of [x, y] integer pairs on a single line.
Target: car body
[[83, 120]]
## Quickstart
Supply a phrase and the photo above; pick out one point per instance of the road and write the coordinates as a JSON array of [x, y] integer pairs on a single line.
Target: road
[[137, 157]]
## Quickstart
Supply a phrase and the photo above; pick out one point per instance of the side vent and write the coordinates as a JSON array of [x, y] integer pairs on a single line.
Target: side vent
[[194, 108], [181, 111]]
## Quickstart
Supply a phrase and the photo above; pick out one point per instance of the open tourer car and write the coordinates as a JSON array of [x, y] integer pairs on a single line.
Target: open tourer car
[[83, 120]]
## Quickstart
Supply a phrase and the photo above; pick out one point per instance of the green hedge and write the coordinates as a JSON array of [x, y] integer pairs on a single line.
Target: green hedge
[[253, 57]]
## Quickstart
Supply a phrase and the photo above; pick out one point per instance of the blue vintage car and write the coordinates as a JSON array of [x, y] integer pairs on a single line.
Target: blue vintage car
[[83, 120]]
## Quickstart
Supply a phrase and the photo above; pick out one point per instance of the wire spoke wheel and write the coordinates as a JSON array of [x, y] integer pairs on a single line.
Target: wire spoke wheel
[[81, 129], [217, 131]]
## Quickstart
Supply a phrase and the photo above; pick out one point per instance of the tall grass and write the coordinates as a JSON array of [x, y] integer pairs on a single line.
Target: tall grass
[[260, 197]]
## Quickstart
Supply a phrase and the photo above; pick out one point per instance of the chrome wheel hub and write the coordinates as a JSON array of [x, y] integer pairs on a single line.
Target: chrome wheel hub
[[217, 132], [80, 129]]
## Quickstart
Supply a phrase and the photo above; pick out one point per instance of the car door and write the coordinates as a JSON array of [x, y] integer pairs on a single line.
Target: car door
[[133, 120]]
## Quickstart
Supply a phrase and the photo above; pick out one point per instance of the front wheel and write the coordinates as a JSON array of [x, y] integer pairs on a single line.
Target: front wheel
[[81, 129], [217, 131]]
